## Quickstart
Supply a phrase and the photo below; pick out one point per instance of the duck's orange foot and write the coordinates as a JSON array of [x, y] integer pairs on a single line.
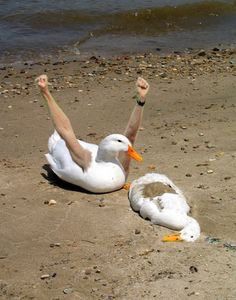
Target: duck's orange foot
[[127, 186], [172, 238]]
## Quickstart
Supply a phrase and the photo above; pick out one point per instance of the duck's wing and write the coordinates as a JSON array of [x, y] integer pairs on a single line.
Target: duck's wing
[[93, 148], [59, 156], [52, 141]]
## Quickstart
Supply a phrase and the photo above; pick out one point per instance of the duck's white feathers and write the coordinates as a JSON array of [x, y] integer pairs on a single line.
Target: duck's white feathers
[[137, 186], [168, 209], [98, 178]]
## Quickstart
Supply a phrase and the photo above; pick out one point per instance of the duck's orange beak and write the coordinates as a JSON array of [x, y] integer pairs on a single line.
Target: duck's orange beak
[[132, 153], [172, 238]]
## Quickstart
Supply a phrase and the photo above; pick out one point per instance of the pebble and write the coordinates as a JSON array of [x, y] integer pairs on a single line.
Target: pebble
[[202, 186], [52, 202], [137, 231], [52, 245], [212, 159], [210, 171], [45, 276], [67, 291], [193, 269], [210, 146], [202, 53], [188, 175]]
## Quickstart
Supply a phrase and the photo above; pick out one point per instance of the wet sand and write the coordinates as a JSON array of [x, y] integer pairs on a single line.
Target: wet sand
[[94, 246]]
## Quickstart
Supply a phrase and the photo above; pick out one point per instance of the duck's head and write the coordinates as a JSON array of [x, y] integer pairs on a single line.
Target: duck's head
[[111, 145], [189, 233]]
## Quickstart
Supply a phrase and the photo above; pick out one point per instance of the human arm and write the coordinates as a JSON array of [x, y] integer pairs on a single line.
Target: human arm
[[63, 126]]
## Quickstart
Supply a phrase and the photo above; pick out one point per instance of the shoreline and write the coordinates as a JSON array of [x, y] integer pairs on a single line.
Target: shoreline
[[90, 246], [171, 66], [67, 55]]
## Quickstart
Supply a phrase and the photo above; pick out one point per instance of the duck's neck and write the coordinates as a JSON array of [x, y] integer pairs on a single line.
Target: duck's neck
[[106, 156]]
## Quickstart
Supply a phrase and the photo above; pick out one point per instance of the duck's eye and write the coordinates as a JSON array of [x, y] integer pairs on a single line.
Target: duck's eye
[[120, 141], [191, 236]]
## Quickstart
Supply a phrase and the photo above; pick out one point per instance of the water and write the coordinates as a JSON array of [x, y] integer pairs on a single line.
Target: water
[[34, 29]]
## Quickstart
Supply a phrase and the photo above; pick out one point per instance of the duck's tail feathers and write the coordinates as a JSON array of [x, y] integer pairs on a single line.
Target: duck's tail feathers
[[51, 161], [54, 138]]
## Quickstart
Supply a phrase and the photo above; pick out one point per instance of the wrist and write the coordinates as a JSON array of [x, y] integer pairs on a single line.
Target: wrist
[[45, 92], [140, 101]]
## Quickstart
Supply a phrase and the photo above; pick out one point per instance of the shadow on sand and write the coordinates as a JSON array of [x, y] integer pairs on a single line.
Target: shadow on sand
[[53, 179]]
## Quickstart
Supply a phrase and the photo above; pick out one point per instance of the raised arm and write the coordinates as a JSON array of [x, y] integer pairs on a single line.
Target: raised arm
[[135, 119], [63, 126]]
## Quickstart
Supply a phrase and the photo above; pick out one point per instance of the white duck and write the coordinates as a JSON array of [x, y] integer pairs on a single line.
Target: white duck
[[105, 173], [156, 198], [94, 168]]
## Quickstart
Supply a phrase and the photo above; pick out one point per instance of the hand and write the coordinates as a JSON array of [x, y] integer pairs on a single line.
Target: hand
[[142, 87], [42, 82]]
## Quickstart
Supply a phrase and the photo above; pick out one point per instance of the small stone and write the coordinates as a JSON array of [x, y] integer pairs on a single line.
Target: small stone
[[210, 146], [212, 159], [210, 171], [202, 186], [52, 202], [67, 291], [183, 127], [163, 75], [188, 175], [137, 231], [52, 245], [201, 134], [45, 276], [193, 269], [202, 53]]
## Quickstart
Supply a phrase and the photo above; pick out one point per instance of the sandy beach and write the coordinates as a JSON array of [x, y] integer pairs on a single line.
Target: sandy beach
[[90, 246]]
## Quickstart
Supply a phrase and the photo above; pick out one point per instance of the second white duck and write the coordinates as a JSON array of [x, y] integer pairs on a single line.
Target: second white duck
[[158, 199]]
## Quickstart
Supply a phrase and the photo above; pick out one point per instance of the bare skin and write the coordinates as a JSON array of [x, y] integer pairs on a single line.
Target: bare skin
[[134, 121], [63, 126]]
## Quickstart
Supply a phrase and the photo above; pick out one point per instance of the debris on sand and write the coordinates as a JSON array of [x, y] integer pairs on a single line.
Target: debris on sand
[[230, 246], [212, 240]]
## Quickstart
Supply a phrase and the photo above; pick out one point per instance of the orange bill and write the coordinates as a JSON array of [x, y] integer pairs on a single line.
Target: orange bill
[[132, 153], [172, 238]]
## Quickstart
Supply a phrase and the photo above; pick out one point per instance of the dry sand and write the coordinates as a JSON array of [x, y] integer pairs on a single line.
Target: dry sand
[[94, 246]]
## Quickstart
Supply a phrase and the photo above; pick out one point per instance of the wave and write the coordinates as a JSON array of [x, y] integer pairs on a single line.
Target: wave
[[148, 21]]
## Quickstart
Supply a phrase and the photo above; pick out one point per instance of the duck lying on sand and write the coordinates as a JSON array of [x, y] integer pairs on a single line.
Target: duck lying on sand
[[157, 198], [97, 168]]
